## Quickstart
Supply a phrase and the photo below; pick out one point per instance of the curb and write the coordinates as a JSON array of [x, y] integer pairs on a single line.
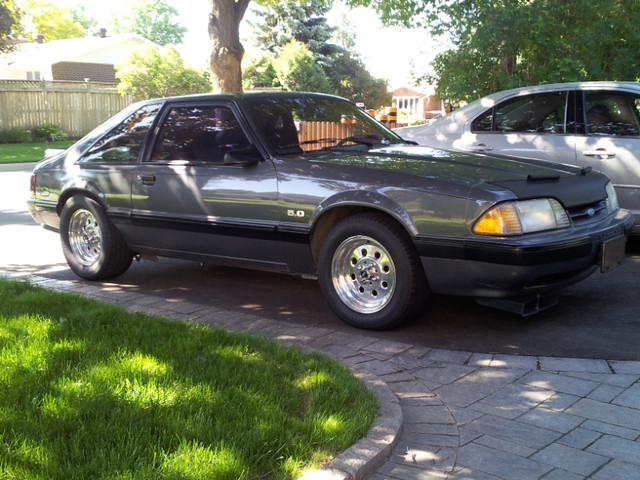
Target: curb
[[365, 456]]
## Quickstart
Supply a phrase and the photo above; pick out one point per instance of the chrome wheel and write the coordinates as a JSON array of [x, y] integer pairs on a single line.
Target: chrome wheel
[[85, 238], [363, 274]]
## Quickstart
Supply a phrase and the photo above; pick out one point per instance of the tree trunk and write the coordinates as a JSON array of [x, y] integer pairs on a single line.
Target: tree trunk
[[226, 50]]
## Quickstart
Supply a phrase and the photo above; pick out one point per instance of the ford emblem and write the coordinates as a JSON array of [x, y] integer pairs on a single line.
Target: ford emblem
[[591, 212]]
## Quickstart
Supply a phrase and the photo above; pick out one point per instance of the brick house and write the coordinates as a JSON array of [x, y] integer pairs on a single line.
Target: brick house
[[74, 59], [418, 105]]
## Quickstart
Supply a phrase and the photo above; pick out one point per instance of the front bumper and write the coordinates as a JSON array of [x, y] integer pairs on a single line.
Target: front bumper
[[526, 265]]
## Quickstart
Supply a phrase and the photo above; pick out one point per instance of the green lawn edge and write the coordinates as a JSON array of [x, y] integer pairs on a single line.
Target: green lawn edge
[[28, 152], [89, 390]]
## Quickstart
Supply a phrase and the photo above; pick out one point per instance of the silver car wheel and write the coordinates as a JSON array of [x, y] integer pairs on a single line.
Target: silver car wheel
[[363, 274], [85, 238]]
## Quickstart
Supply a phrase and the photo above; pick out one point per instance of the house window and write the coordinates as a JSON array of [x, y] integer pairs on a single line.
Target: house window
[[33, 75]]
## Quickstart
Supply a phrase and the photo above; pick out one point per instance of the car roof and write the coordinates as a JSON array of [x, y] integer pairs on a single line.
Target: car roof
[[496, 97], [241, 95]]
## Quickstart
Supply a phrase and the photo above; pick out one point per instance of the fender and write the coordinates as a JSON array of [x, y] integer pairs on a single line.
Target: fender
[[80, 185], [368, 200]]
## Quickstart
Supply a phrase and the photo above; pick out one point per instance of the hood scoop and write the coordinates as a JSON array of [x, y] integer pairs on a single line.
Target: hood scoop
[[543, 178]]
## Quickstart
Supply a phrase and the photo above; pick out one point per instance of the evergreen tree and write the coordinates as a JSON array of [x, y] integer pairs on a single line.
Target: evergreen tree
[[280, 23], [325, 65]]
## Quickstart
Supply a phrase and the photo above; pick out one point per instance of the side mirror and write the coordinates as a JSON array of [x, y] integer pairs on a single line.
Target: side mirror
[[245, 156]]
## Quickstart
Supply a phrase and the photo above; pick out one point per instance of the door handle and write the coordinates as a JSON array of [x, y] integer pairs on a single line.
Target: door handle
[[479, 148], [148, 180], [600, 153]]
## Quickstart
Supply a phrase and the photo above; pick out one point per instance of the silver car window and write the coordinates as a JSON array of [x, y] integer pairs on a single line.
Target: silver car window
[[539, 113], [612, 113]]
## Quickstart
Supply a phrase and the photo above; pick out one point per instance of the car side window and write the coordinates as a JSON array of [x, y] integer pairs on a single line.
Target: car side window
[[539, 113], [198, 133], [612, 113], [122, 144]]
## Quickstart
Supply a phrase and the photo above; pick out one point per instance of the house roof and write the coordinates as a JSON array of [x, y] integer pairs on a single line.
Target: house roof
[[96, 49], [408, 92]]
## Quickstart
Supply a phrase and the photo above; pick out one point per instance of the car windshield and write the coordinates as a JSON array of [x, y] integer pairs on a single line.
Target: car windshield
[[292, 125]]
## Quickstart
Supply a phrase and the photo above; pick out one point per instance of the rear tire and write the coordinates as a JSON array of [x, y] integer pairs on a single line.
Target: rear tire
[[92, 246], [370, 273]]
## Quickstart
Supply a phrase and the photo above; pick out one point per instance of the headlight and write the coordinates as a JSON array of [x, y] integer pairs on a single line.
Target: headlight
[[612, 198], [518, 217]]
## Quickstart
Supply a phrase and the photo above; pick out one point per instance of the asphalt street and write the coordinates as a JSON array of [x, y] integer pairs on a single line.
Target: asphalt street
[[597, 318]]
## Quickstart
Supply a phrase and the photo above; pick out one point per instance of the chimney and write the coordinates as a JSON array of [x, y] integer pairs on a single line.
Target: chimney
[[40, 38]]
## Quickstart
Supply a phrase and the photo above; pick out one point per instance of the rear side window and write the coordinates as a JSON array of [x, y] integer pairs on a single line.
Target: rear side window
[[198, 133], [612, 114], [540, 113], [122, 143]]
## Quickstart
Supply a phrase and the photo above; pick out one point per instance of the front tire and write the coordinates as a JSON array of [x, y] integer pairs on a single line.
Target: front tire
[[369, 272], [91, 244]]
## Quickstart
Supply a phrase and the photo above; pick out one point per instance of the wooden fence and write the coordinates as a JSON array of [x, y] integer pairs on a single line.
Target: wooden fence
[[314, 132], [76, 107]]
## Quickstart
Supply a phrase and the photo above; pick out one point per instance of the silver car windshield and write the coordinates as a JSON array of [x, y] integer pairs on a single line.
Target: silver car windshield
[[303, 125]]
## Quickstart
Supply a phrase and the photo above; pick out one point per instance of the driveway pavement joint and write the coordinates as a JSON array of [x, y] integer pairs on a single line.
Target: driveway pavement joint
[[451, 414]]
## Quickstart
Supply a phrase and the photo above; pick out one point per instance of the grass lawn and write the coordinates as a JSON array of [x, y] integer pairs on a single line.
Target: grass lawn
[[90, 391], [28, 152]]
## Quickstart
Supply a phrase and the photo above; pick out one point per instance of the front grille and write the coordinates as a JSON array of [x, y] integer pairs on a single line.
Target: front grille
[[588, 213]]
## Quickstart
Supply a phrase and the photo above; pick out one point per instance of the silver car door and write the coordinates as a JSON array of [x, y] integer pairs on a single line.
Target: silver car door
[[611, 142], [188, 200]]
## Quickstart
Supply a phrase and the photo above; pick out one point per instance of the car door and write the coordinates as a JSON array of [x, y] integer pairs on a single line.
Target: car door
[[610, 141], [532, 126], [187, 201]]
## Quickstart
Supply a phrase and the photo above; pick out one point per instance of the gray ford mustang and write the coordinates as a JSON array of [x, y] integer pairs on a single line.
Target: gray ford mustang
[[312, 185]]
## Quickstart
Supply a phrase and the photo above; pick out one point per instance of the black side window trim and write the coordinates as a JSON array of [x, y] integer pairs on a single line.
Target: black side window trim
[[162, 115]]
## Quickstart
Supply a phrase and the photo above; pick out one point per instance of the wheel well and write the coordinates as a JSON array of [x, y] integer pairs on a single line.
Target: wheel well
[[327, 221], [71, 193]]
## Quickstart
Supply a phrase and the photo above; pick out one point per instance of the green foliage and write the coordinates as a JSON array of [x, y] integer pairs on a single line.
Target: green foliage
[[42, 133], [510, 43], [46, 18], [154, 20], [297, 70], [91, 391], [15, 135], [258, 72], [352, 80], [281, 22], [48, 133], [160, 73], [9, 20], [283, 28]]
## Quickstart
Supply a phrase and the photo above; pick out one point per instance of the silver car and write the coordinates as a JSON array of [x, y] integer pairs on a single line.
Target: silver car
[[591, 124], [310, 184]]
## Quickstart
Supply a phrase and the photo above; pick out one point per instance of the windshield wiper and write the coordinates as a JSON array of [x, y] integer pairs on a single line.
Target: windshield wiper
[[367, 140]]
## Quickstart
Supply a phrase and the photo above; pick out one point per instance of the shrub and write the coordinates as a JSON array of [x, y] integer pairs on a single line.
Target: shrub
[[43, 133], [48, 133], [15, 135]]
